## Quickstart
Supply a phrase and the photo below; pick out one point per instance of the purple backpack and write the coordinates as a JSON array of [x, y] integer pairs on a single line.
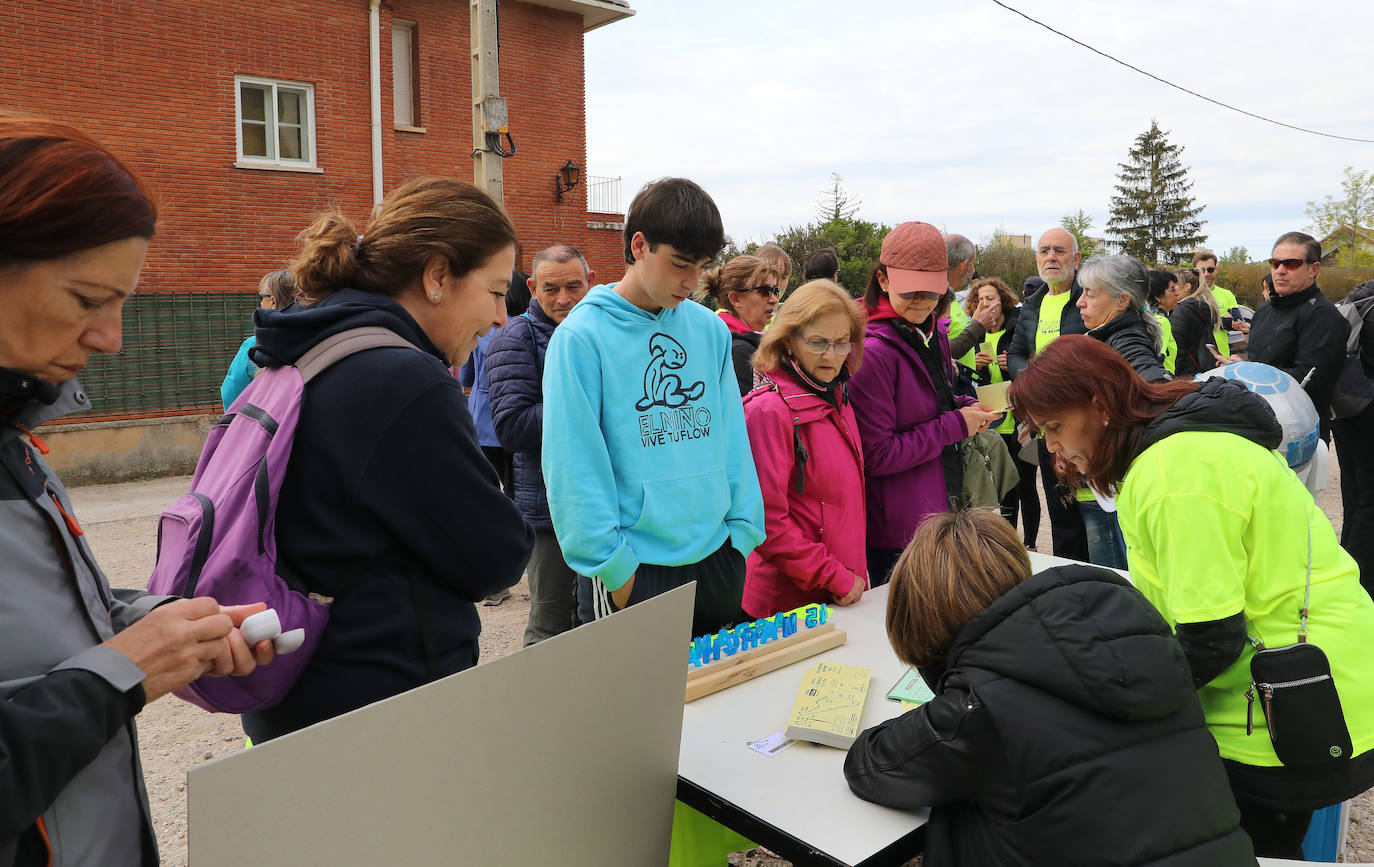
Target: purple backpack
[[219, 539]]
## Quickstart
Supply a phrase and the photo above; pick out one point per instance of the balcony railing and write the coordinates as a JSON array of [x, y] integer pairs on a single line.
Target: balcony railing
[[603, 195]]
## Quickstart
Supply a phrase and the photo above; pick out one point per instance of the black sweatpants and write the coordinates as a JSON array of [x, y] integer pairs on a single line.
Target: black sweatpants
[[720, 586], [1355, 453], [1274, 833]]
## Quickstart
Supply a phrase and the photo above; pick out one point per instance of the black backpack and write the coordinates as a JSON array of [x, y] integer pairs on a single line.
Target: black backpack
[[1354, 390]]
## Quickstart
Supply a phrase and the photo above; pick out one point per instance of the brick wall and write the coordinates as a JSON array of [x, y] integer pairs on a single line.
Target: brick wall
[[155, 81], [544, 82]]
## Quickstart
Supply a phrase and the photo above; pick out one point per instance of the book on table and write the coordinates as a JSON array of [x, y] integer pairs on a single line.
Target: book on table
[[830, 704]]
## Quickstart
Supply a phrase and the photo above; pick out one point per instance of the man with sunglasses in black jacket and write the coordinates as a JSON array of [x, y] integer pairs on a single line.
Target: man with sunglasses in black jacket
[[1299, 330]]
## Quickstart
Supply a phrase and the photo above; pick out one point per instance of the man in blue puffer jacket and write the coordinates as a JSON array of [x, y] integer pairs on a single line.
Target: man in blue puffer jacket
[[515, 368]]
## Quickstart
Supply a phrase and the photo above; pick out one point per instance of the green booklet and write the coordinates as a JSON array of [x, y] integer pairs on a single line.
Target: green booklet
[[911, 689]]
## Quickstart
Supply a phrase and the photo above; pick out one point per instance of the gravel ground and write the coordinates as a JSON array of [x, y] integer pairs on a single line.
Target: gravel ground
[[121, 524]]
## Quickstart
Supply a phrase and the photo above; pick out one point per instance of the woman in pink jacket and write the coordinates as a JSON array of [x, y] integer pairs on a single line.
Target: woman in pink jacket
[[807, 453]]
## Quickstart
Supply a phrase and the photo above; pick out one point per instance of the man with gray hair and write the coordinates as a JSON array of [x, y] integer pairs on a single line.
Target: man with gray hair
[[964, 332], [515, 369], [1047, 314]]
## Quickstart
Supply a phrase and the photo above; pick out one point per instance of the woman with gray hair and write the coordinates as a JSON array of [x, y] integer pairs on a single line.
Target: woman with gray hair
[[276, 291], [1114, 304], [1116, 291]]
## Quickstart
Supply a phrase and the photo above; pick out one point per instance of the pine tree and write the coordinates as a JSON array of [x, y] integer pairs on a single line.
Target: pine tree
[[1153, 216]]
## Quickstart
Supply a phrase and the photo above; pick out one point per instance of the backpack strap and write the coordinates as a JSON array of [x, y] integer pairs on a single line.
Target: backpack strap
[[1352, 343], [339, 346]]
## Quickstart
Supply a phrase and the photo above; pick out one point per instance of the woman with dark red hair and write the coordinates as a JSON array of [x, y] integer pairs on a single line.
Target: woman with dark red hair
[[79, 660], [1229, 577]]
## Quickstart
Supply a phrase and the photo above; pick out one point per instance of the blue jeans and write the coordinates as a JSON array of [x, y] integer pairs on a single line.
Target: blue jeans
[[1106, 545]]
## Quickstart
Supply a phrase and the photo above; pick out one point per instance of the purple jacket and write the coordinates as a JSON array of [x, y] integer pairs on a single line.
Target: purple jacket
[[902, 431]]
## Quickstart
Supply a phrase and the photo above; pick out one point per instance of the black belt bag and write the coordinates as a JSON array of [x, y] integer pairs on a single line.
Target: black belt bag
[[1297, 696]]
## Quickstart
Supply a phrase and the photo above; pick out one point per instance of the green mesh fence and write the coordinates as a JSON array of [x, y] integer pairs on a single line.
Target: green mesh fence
[[177, 347]]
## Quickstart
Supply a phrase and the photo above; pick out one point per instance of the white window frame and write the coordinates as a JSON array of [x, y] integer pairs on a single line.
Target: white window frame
[[412, 90], [275, 160]]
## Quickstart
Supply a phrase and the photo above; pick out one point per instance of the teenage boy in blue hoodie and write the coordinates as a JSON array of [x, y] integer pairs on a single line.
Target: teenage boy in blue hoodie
[[650, 476]]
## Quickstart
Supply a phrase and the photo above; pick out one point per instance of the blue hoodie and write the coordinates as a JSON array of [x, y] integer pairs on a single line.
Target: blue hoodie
[[646, 455]]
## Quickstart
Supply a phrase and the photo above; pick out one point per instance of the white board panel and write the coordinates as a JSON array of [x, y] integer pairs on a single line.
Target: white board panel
[[562, 753]]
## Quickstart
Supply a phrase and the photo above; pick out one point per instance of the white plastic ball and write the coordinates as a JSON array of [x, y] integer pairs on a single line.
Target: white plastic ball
[[1294, 409]]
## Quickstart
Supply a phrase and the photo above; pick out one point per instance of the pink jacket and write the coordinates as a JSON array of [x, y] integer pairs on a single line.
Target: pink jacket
[[815, 543]]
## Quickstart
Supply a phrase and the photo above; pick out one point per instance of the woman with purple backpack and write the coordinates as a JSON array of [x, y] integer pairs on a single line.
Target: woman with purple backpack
[[78, 660], [388, 506]]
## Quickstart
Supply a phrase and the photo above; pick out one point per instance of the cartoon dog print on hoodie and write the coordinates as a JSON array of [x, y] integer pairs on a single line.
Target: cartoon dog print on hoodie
[[661, 387]]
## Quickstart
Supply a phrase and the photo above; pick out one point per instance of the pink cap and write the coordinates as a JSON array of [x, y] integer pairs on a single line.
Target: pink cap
[[914, 254]]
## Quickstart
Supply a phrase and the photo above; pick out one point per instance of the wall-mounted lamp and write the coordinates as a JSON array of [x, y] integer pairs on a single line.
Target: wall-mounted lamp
[[566, 179]]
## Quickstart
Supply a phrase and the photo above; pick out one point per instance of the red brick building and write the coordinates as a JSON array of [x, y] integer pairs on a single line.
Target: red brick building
[[249, 118]]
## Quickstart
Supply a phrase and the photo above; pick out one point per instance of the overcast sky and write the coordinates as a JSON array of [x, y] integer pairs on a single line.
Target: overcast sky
[[965, 115]]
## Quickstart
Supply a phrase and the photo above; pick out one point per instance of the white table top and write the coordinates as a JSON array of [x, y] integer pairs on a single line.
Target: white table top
[[802, 790]]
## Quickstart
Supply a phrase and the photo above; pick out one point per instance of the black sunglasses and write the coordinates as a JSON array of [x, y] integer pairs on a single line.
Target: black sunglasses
[[1290, 264], [767, 291]]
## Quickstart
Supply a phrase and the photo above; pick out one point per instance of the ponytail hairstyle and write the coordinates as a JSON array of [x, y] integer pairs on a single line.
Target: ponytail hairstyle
[[421, 219], [1192, 281], [740, 274]]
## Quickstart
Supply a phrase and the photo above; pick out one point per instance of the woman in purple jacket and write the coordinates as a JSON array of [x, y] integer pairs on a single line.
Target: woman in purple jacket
[[909, 417]]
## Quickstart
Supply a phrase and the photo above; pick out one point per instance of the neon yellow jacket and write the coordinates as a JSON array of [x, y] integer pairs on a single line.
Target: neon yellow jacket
[[1226, 299], [1198, 558], [1166, 334]]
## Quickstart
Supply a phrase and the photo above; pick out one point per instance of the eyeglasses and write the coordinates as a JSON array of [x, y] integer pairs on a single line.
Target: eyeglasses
[[1211, 270], [262, 295], [1290, 264], [819, 346], [767, 291]]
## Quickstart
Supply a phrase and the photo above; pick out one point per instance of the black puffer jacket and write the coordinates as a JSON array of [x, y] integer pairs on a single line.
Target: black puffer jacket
[[515, 380], [1194, 327], [1303, 334], [1028, 323], [1130, 337], [1065, 731]]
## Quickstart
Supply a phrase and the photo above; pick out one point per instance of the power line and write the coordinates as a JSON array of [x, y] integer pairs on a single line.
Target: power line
[[1180, 87]]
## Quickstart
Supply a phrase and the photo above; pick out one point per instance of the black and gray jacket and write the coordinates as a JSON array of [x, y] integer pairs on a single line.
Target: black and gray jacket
[[1066, 694], [1130, 337], [1028, 323], [71, 788]]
